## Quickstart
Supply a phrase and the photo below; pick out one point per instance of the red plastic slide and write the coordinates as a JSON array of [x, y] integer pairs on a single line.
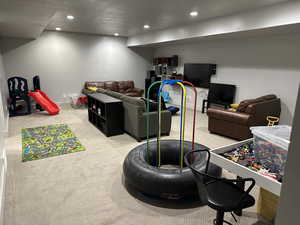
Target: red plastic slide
[[45, 102]]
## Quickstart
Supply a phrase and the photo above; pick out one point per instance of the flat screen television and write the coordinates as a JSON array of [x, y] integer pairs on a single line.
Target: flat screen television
[[199, 73], [221, 93]]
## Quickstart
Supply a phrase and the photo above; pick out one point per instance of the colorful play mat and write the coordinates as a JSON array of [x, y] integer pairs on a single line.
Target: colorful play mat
[[48, 141]]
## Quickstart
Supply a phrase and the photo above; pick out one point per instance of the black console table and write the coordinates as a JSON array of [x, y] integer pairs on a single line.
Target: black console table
[[106, 113]]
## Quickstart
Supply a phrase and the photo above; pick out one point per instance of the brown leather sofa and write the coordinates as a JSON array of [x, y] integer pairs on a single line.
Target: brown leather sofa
[[124, 87], [252, 112]]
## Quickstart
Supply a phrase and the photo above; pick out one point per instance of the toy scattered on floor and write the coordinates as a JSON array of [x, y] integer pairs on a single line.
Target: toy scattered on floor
[[173, 109], [166, 96], [245, 155], [79, 101], [166, 99]]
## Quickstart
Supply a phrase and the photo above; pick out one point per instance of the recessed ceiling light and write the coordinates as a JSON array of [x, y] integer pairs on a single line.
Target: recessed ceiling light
[[146, 26], [70, 17], [116, 34], [58, 28], [194, 13]]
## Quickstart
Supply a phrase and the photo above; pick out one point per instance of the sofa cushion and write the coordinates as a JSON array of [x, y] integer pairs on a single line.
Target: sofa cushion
[[97, 84], [114, 94], [112, 85], [101, 90], [244, 104], [130, 84], [124, 86]]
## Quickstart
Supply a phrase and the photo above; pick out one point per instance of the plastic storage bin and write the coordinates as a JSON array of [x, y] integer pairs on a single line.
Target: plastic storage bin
[[271, 146], [78, 101]]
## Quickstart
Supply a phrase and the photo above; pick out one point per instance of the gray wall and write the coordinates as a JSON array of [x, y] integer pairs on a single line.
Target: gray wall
[[258, 65], [3, 97], [64, 61], [288, 211], [3, 108]]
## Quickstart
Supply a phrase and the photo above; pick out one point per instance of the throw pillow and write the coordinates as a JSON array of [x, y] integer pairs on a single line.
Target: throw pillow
[[92, 88]]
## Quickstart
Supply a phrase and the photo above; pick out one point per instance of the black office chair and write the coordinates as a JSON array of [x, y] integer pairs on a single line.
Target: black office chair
[[221, 194]]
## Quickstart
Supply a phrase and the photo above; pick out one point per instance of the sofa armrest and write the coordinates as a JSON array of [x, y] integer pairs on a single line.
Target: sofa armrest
[[153, 115], [166, 120], [87, 91], [139, 92], [230, 116]]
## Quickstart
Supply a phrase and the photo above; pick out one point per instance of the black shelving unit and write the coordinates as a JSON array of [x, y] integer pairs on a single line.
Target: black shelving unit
[[106, 113], [154, 90]]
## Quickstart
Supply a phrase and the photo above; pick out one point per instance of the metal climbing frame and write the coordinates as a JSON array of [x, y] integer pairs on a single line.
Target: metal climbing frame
[[182, 117], [195, 111]]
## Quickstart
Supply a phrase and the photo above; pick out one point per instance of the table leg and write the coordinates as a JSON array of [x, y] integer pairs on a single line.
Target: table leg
[[240, 184], [267, 205], [204, 102]]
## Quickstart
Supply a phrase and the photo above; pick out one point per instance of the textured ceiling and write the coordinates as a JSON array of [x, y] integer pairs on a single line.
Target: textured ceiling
[[28, 18]]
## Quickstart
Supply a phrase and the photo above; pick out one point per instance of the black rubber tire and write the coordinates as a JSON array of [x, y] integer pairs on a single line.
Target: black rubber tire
[[162, 182]]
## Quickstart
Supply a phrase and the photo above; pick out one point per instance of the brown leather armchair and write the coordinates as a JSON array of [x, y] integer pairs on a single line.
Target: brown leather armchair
[[252, 112]]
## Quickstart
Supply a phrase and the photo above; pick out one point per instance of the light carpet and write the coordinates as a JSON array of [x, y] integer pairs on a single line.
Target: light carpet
[[86, 188]]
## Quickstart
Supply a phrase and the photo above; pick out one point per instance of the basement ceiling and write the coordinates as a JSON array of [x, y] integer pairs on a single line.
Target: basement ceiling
[[29, 18]]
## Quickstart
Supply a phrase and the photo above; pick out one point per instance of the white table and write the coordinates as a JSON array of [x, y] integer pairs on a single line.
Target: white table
[[267, 183]]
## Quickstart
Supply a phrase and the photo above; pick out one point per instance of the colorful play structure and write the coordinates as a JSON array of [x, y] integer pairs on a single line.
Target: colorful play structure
[[45, 102], [20, 94], [157, 167]]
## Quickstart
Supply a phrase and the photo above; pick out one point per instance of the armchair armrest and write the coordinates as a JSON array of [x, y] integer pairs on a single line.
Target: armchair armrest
[[231, 116]]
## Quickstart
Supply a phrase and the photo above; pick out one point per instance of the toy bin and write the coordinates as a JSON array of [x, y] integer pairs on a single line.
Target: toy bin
[[271, 146]]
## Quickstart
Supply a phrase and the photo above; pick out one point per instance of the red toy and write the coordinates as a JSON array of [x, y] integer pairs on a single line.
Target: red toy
[[45, 102]]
